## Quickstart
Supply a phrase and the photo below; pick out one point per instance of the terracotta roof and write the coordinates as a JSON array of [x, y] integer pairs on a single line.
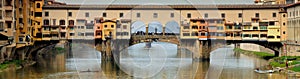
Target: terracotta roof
[[237, 6]]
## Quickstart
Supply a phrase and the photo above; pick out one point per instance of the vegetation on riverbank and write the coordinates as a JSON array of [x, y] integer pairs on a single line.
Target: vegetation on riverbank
[[60, 49], [7, 64], [293, 61], [281, 61], [263, 55]]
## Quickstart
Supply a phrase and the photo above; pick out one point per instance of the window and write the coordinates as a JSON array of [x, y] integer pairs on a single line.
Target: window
[[220, 28], [186, 27], [61, 22], [223, 15], [46, 14], [8, 25], [195, 34], [240, 15], [186, 34], [203, 34], [38, 5], [172, 15], [283, 23], [46, 22], [80, 34], [189, 15], [271, 23], [70, 14], [203, 27], [104, 14], [228, 27], [89, 27], [283, 15], [82, 27], [283, 32], [257, 15], [274, 14], [205, 15], [155, 15], [54, 21], [38, 14], [89, 34], [125, 33], [124, 26], [255, 28], [71, 22], [112, 26], [138, 15], [80, 21], [72, 34], [278, 37], [87, 14], [219, 21], [263, 27], [263, 35], [105, 26], [194, 27], [121, 15]]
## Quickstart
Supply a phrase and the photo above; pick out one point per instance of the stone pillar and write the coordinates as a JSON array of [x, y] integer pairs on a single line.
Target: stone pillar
[[2, 51], [21, 52], [108, 50], [164, 31], [147, 30], [236, 45]]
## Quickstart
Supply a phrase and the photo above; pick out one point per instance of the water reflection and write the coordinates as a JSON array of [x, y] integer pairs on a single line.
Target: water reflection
[[159, 62]]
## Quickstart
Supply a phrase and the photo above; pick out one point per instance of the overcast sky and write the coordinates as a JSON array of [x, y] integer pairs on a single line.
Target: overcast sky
[[159, 2]]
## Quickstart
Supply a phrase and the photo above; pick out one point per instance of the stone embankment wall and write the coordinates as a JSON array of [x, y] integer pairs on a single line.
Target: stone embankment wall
[[255, 47]]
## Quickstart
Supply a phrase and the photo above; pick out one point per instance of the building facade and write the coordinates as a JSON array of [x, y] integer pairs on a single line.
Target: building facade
[[60, 21]]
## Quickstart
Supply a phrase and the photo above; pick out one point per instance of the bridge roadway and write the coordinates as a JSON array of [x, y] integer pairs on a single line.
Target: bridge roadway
[[202, 48], [110, 48]]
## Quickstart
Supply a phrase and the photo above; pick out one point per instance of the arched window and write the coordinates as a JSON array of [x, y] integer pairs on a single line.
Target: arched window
[[71, 22], [38, 5], [61, 22], [46, 22]]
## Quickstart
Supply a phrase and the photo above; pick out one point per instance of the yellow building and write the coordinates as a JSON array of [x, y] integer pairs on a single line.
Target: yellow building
[[109, 28], [37, 21], [273, 33]]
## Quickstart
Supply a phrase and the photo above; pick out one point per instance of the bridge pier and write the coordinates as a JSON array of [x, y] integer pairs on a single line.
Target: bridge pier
[[200, 49], [237, 45], [21, 53]]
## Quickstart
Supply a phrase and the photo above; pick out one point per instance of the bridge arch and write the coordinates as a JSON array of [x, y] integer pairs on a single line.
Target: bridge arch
[[155, 27], [138, 26], [172, 27], [275, 47]]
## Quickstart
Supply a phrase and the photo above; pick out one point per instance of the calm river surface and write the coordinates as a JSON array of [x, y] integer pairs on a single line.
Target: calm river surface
[[159, 62]]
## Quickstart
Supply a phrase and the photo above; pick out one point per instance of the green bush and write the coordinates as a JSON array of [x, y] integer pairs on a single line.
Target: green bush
[[6, 64], [296, 69]]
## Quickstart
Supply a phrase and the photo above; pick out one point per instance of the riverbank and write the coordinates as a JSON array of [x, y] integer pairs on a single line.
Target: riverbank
[[19, 64], [15, 65], [275, 62], [263, 55]]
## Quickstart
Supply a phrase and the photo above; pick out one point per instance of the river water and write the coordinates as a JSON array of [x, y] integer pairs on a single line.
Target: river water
[[161, 61]]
